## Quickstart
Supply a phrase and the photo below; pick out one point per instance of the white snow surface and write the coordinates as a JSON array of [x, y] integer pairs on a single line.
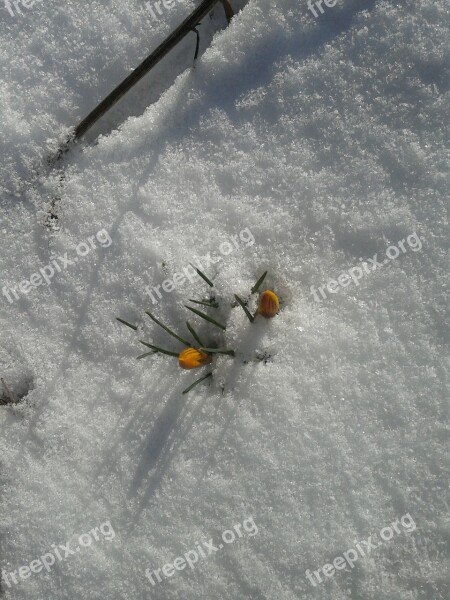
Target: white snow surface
[[327, 141]]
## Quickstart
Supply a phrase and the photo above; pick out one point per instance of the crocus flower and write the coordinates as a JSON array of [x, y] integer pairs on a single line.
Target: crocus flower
[[191, 358], [269, 304]]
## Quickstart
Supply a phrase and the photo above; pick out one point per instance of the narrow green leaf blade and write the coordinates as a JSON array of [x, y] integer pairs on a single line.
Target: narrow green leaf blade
[[188, 389], [206, 317], [126, 323], [194, 333], [203, 276], [169, 331], [257, 285], [158, 349], [247, 312], [205, 303], [217, 350], [146, 354]]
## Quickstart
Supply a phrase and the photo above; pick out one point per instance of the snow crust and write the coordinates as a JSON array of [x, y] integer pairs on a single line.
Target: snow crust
[[328, 140]]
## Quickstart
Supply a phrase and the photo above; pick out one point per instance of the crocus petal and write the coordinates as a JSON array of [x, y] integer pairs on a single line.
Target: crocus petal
[[269, 304], [191, 358]]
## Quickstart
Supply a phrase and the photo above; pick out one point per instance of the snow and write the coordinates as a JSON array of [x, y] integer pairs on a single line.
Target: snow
[[328, 140]]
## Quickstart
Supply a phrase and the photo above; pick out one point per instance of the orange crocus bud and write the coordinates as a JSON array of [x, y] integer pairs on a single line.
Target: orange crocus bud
[[191, 358], [269, 304]]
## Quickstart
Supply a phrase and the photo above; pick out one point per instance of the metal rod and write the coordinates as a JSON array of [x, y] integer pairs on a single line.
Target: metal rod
[[146, 65]]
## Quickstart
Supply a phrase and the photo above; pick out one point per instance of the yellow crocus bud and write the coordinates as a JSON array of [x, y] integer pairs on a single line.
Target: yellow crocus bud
[[269, 304], [191, 358]]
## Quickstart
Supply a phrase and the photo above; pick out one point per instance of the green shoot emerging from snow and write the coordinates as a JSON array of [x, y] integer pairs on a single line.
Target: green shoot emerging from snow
[[198, 355]]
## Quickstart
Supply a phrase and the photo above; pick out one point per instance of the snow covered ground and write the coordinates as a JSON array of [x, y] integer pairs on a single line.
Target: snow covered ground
[[322, 146]]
